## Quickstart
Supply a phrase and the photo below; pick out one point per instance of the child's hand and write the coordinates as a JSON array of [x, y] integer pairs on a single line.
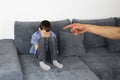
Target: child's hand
[[45, 34]]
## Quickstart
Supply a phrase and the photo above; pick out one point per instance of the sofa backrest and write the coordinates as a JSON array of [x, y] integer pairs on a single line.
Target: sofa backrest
[[24, 30], [114, 45], [92, 40], [117, 21]]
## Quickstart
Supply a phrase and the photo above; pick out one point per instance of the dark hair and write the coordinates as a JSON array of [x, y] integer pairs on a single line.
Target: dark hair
[[45, 25]]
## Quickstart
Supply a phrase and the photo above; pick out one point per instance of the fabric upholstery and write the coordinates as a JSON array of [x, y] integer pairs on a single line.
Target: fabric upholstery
[[117, 21], [114, 62], [104, 64], [10, 68], [71, 45], [24, 30], [92, 40], [114, 45], [98, 62], [74, 69]]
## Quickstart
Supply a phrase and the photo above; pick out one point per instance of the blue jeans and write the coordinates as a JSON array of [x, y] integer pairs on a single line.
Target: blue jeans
[[51, 52]]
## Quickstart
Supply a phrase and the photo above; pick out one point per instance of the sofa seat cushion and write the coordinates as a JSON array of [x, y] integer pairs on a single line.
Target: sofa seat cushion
[[74, 69], [100, 66], [114, 62], [104, 64], [97, 52]]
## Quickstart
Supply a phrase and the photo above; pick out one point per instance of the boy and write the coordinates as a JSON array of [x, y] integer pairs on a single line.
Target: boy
[[44, 42]]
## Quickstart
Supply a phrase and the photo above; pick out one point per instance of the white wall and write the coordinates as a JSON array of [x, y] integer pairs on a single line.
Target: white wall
[[37, 10]]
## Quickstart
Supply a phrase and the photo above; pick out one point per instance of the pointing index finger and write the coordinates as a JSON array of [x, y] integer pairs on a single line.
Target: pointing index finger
[[68, 26]]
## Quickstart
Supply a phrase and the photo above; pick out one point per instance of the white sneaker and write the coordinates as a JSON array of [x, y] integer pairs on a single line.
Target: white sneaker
[[44, 66], [57, 64]]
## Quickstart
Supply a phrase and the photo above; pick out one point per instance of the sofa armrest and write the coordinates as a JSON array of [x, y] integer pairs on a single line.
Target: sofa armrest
[[10, 68]]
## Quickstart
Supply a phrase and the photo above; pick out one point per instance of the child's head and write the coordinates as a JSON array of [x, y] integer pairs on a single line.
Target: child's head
[[45, 25]]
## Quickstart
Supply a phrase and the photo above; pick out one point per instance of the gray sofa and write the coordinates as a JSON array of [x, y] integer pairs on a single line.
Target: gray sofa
[[85, 57]]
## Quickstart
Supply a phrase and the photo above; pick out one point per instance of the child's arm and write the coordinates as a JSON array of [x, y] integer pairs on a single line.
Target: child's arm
[[34, 40], [36, 46]]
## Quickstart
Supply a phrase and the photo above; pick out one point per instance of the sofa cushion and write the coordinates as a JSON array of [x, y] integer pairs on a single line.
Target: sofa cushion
[[24, 30], [100, 66], [117, 21], [98, 61], [104, 64], [71, 45], [74, 69], [114, 45], [92, 40], [114, 62], [97, 52], [10, 68]]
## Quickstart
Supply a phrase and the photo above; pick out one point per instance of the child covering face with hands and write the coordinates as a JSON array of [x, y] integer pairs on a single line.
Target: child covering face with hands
[[43, 43]]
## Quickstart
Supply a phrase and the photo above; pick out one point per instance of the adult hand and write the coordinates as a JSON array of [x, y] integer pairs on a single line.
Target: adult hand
[[110, 32], [77, 28]]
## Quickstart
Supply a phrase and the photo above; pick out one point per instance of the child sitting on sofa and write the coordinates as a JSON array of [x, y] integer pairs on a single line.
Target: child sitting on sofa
[[44, 42]]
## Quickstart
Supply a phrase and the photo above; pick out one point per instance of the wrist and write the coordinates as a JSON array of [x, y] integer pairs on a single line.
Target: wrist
[[90, 28]]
